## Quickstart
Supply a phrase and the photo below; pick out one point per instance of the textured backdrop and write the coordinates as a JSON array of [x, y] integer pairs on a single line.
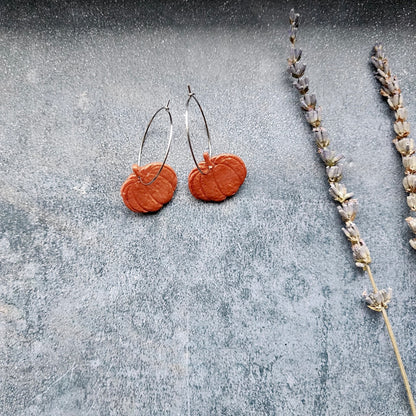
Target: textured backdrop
[[248, 307]]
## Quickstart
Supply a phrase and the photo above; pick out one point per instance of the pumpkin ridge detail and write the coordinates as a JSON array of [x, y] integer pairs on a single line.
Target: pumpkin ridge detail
[[137, 207], [169, 174], [210, 187], [241, 175], [201, 188], [131, 202], [161, 182], [149, 197], [218, 185], [146, 200], [235, 171], [195, 186], [218, 177], [223, 187]]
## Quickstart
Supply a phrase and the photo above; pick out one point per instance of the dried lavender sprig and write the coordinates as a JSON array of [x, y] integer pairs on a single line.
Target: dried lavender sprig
[[378, 300], [390, 89], [313, 114]]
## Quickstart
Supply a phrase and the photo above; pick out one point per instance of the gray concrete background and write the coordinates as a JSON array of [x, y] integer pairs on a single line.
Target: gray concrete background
[[248, 307]]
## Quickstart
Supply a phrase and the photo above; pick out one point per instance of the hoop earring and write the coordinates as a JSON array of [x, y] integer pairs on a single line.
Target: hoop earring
[[218, 177], [151, 186]]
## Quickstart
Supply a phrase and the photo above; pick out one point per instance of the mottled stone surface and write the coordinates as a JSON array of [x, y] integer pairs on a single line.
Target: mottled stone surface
[[248, 307]]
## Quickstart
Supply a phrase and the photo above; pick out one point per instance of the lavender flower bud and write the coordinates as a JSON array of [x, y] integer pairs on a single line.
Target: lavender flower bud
[[405, 147], [385, 67], [352, 233], [292, 34], [409, 183], [295, 55], [409, 162], [313, 117], [308, 102], [329, 157], [377, 301], [321, 137], [380, 63], [383, 77], [302, 85], [334, 173], [338, 191], [297, 69], [377, 62], [294, 18], [378, 50], [402, 128], [395, 101], [348, 210], [361, 254], [390, 86], [411, 222], [401, 114], [411, 201]]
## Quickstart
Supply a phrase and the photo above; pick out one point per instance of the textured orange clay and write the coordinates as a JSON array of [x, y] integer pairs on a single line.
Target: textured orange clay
[[224, 174], [149, 198]]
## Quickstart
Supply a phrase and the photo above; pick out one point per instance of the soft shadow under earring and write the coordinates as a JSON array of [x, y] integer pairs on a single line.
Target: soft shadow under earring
[[150, 186], [217, 177]]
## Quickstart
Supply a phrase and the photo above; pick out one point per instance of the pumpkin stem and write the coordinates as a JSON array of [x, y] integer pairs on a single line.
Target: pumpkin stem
[[208, 160], [136, 169]]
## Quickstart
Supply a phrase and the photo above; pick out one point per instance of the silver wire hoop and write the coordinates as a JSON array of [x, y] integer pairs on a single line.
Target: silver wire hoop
[[170, 134], [192, 96]]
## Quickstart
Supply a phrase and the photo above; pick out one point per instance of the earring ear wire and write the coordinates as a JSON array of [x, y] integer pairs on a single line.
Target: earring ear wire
[[191, 96], [170, 135]]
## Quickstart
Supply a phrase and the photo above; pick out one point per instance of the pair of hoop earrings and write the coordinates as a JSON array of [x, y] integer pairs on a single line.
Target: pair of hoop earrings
[[151, 186]]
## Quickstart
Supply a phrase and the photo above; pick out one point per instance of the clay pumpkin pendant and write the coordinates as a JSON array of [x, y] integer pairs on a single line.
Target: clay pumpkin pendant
[[139, 197], [222, 177]]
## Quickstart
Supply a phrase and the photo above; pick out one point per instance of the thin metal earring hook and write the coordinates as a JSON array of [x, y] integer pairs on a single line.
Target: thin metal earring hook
[[170, 134], [192, 96]]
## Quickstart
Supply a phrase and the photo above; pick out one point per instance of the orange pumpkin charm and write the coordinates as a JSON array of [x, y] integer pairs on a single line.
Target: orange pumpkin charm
[[140, 194], [221, 177]]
